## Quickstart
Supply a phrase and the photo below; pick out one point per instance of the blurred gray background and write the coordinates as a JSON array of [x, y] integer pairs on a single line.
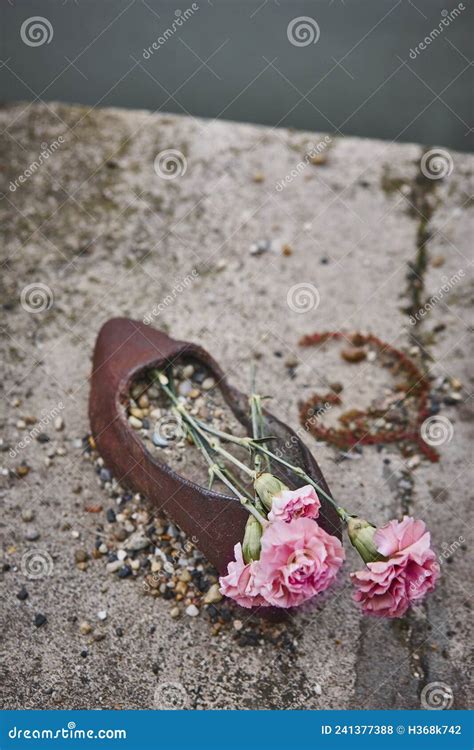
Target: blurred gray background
[[232, 59]]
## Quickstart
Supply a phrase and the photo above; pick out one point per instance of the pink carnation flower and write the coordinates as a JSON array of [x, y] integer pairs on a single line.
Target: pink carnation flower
[[387, 588], [298, 560], [300, 503], [239, 583]]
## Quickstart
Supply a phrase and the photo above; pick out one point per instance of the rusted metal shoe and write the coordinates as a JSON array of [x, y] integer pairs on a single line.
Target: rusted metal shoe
[[214, 521]]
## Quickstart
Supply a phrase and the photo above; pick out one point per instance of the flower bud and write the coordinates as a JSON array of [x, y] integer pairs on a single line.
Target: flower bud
[[266, 486], [361, 533], [251, 543]]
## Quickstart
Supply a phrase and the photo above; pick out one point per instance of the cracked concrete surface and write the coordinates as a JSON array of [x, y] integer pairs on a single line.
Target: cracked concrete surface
[[109, 237]]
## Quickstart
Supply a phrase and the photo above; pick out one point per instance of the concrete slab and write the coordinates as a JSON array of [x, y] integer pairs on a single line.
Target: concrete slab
[[108, 236]]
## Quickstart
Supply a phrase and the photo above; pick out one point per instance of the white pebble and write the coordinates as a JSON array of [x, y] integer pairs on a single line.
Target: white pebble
[[135, 423], [121, 554], [112, 567], [192, 610], [207, 384], [58, 423], [102, 614]]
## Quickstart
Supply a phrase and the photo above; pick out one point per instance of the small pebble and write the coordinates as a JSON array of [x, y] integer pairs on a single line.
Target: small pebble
[[192, 610], [113, 566], [102, 614], [40, 620], [188, 371], [110, 515], [159, 441], [185, 388], [353, 355], [58, 424], [175, 612], [213, 595], [135, 423], [260, 247], [81, 556], [137, 541], [208, 383], [27, 515], [125, 571], [32, 535], [238, 624], [85, 628], [22, 594], [105, 475]]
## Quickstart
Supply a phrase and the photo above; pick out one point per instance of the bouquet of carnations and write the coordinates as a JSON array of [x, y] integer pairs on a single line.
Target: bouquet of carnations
[[285, 557]]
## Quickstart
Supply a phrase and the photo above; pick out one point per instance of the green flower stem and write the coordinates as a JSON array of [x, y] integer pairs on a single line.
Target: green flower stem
[[216, 470], [229, 474], [252, 445], [201, 428], [249, 443], [301, 473]]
